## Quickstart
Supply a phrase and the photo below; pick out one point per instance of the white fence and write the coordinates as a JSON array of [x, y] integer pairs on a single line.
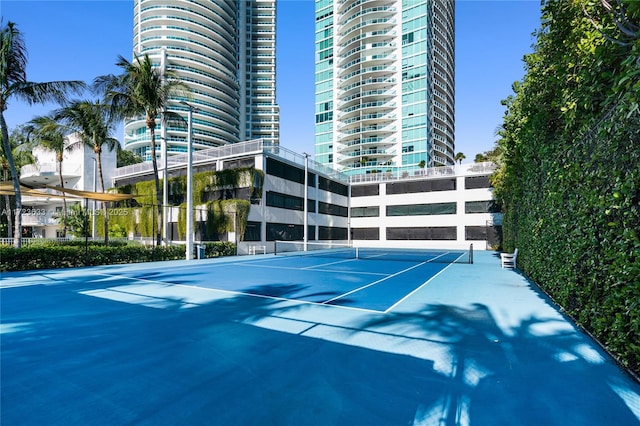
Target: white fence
[[29, 241]]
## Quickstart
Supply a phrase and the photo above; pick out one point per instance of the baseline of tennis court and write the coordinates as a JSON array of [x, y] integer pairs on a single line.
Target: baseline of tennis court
[[201, 343]]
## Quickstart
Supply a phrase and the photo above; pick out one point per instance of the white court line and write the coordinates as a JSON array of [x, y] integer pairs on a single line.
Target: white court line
[[416, 289], [381, 257], [317, 270], [329, 263], [374, 283]]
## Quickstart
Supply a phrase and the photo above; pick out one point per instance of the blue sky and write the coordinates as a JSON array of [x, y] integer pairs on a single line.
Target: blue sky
[[79, 40]]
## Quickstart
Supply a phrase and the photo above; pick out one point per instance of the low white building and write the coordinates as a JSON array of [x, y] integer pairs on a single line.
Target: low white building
[[443, 207]]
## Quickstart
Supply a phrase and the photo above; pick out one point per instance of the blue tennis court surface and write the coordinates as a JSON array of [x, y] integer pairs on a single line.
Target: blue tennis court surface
[[270, 340]]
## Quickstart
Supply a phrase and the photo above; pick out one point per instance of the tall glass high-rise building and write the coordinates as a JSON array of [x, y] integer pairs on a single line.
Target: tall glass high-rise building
[[225, 51], [384, 84]]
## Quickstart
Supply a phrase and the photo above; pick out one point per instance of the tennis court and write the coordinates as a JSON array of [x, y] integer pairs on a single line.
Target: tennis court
[[300, 340], [375, 280]]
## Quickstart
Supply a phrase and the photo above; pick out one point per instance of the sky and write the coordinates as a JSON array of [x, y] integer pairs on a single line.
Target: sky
[[80, 40]]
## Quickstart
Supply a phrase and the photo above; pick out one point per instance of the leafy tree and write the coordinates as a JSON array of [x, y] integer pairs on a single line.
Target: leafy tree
[[491, 155], [142, 89], [14, 84], [127, 158], [78, 221]]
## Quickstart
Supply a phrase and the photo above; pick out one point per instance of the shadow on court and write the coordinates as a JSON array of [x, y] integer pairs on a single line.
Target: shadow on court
[[519, 379], [72, 359]]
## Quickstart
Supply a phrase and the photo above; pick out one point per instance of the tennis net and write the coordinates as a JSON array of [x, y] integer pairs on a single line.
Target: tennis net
[[347, 251]]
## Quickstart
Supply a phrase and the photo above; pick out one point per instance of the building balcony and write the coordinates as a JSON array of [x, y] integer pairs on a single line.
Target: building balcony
[[47, 173]]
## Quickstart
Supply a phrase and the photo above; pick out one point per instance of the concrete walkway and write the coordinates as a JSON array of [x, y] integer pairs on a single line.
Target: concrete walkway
[[477, 344]]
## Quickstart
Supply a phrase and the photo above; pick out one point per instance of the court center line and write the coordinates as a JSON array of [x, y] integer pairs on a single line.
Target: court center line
[[416, 289], [374, 283], [381, 256], [316, 270]]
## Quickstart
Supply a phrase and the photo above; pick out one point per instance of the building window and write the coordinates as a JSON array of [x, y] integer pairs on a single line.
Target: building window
[[365, 190], [333, 186], [284, 232], [421, 186], [332, 209], [284, 171], [370, 211], [481, 207], [442, 233], [252, 231], [421, 209], [474, 182], [365, 233], [331, 233]]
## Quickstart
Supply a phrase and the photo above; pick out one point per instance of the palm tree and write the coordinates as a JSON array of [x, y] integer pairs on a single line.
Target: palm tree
[[21, 157], [45, 132], [459, 157], [13, 83], [142, 89], [93, 122]]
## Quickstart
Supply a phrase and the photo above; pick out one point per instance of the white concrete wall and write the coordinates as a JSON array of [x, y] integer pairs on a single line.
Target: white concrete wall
[[460, 220]]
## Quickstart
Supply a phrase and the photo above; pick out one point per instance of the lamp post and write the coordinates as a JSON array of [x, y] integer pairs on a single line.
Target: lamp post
[[165, 182], [165, 174], [93, 218], [306, 200], [189, 248]]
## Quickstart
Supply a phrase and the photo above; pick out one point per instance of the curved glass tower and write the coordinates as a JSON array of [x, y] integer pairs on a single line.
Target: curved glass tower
[[384, 84], [225, 52]]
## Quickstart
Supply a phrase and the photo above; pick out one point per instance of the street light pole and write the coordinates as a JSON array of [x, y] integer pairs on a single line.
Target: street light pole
[[93, 219], [165, 174], [165, 182], [189, 248], [305, 232]]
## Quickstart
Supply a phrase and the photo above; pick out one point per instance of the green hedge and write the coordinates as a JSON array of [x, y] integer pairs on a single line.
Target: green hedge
[[569, 175], [219, 248], [75, 254]]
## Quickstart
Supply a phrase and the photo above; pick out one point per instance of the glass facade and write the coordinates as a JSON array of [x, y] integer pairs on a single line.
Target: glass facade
[[384, 84], [225, 53]]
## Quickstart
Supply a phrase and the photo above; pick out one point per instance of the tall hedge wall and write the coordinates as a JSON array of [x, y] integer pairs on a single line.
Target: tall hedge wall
[[569, 175]]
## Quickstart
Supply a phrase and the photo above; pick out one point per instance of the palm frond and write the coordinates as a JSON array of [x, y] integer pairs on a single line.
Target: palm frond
[[13, 58], [52, 91]]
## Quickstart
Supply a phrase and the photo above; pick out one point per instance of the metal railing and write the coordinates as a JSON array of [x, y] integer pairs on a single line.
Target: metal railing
[[180, 160], [431, 172], [258, 146]]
